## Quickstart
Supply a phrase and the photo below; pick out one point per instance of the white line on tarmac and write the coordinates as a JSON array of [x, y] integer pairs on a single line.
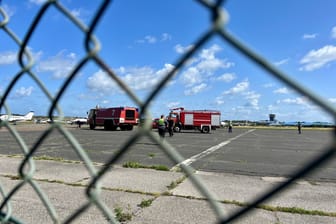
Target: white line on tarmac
[[209, 150]]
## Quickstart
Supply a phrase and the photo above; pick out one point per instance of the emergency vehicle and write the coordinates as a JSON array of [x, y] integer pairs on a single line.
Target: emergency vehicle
[[115, 117], [202, 120]]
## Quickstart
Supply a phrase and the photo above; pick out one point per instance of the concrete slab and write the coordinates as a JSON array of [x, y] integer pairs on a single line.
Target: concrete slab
[[65, 199], [289, 218], [142, 180], [126, 188], [47, 170], [179, 210], [310, 196]]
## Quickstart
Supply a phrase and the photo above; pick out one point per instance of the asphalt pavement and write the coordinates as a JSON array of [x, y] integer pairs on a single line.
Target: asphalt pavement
[[151, 196], [246, 151]]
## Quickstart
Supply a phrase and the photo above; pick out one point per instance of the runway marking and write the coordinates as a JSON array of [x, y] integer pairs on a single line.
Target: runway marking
[[209, 150]]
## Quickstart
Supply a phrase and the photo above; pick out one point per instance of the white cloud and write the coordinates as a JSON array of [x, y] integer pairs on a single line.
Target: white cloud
[[101, 82], [295, 101], [8, 57], [227, 77], [165, 70], [238, 88], [182, 49], [309, 36], [23, 91], [192, 76], [282, 90], [318, 58], [281, 62], [144, 78], [209, 62], [219, 100], [253, 99], [166, 37], [137, 78], [241, 97], [150, 39], [268, 85], [173, 104], [203, 66], [9, 10], [195, 89], [60, 65], [333, 32], [147, 39], [81, 13], [332, 100], [37, 2]]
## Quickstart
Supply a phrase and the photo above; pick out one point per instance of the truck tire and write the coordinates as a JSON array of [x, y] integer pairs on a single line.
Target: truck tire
[[205, 129], [178, 127], [108, 125]]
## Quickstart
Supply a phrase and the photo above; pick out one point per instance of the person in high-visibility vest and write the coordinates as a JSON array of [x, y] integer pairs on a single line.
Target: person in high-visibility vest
[[162, 125]]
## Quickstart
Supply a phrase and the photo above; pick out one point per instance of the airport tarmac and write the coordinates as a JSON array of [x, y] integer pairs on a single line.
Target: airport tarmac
[[247, 151], [151, 196]]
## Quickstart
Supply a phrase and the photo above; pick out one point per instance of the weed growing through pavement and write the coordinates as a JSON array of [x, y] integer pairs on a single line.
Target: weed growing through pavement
[[146, 203], [151, 155], [174, 184], [122, 216], [133, 164]]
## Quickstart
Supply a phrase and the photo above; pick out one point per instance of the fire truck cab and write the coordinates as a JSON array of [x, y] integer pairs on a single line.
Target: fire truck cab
[[115, 117], [202, 120]]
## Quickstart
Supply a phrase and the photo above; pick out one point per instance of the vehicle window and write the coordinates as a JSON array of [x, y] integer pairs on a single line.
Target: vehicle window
[[130, 114]]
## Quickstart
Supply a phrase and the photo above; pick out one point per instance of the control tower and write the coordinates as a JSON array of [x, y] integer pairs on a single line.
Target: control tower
[[272, 117]]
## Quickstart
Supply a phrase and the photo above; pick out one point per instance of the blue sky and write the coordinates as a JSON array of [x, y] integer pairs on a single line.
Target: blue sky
[[142, 40]]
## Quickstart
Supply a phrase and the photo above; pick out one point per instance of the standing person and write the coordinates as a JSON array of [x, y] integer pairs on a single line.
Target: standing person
[[170, 126], [230, 127], [162, 126], [299, 127], [79, 123]]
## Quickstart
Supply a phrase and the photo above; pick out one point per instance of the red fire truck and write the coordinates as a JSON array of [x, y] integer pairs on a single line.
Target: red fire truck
[[202, 120], [112, 118]]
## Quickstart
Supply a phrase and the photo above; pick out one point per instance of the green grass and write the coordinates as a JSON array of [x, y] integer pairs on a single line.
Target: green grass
[[56, 159], [296, 210], [174, 184], [146, 203], [132, 164], [151, 155], [122, 216]]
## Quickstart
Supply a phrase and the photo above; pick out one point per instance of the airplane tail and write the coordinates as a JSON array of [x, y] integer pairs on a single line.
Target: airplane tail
[[29, 116]]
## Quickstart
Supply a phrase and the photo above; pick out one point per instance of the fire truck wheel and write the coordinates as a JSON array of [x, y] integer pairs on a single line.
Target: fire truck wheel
[[177, 129], [205, 129]]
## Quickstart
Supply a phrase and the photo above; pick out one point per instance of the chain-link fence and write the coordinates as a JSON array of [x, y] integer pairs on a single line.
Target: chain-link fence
[[92, 47]]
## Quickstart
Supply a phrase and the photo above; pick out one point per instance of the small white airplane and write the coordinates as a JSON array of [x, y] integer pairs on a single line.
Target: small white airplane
[[15, 118], [78, 121]]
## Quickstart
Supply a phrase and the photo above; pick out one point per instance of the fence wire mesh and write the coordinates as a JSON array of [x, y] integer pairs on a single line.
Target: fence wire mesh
[[92, 47]]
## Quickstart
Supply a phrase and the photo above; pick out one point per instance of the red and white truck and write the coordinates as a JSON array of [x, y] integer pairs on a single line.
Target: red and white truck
[[202, 120], [114, 117]]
